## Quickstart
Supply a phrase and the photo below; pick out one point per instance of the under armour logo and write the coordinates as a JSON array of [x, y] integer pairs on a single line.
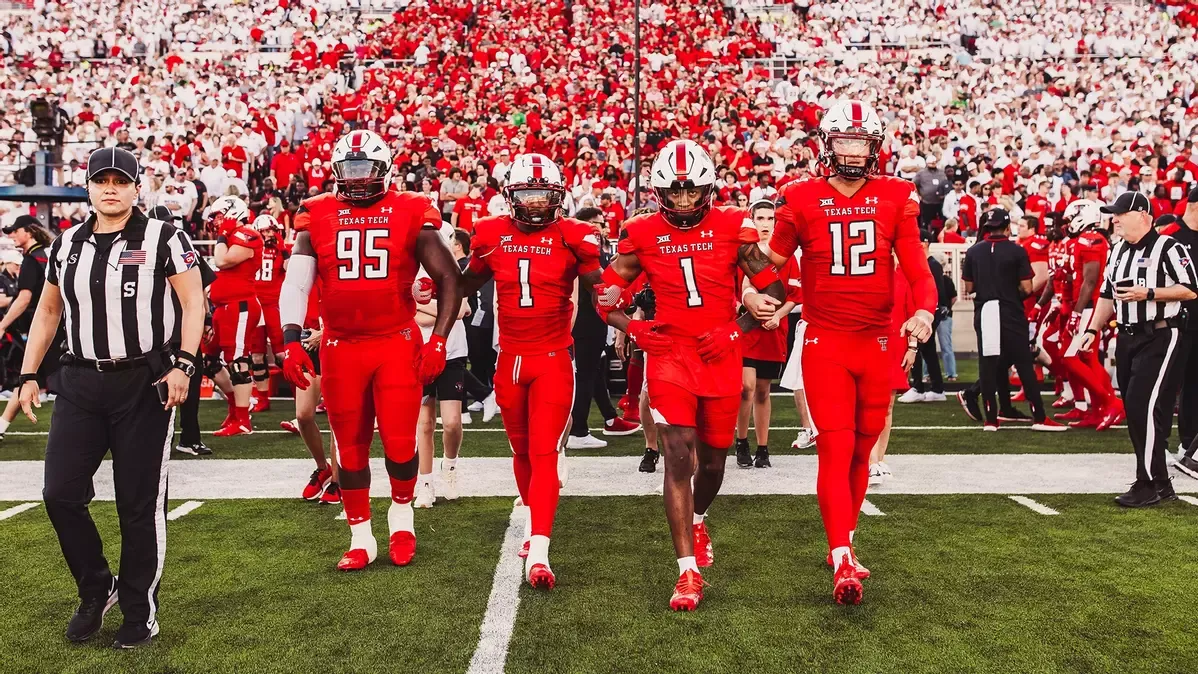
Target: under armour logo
[[386, 209], [871, 200], [813, 340], [706, 234], [546, 240], [883, 341], [827, 202], [343, 211], [438, 347], [664, 238], [734, 336], [505, 238], [331, 342]]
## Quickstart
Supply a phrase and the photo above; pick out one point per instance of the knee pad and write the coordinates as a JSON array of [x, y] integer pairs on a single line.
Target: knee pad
[[239, 371], [212, 365], [260, 371], [406, 470]]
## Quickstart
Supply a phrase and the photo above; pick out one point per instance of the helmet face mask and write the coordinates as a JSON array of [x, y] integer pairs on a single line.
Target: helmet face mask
[[686, 206], [361, 167], [851, 135], [535, 206], [683, 180]]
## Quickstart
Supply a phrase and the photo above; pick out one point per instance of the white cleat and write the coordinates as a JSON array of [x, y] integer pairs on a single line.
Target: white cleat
[[475, 406], [467, 419], [885, 470], [933, 397], [425, 496], [449, 484], [587, 441], [804, 440], [875, 475], [490, 408], [911, 396]]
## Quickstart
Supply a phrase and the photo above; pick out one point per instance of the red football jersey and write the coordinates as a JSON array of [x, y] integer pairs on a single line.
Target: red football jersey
[[365, 259], [1036, 247], [534, 279], [237, 283], [1059, 270], [268, 282], [692, 271], [847, 268], [1089, 246]]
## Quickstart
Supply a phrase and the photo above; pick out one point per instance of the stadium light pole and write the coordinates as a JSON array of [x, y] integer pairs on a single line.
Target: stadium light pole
[[636, 103]]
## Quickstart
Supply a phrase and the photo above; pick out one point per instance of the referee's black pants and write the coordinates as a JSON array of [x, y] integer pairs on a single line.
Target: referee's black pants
[[926, 353], [96, 412], [590, 378], [1149, 368], [479, 342], [189, 414], [1187, 406]]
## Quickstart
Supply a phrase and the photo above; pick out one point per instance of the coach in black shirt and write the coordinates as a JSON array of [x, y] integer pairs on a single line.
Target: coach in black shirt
[[1148, 276], [998, 270], [126, 285], [1187, 411]]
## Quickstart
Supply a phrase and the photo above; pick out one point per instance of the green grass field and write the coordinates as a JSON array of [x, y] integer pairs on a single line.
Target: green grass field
[[961, 584]]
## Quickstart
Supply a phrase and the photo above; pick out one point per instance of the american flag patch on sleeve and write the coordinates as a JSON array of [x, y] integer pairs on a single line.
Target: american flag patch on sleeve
[[132, 257]]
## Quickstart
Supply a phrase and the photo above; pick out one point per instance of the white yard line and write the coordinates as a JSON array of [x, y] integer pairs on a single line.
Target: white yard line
[[1188, 499], [1034, 506], [868, 508], [496, 632], [17, 510], [183, 509]]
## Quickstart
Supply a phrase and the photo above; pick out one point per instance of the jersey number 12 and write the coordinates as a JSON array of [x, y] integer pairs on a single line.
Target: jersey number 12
[[854, 265]]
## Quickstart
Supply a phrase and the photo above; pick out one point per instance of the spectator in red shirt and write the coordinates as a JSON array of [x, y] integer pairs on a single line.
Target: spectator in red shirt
[[950, 232], [316, 174], [613, 214], [284, 165], [232, 155], [1037, 205], [467, 210]]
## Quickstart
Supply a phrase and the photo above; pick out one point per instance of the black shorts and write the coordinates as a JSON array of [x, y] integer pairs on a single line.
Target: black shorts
[[766, 369], [315, 356], [451, 384]]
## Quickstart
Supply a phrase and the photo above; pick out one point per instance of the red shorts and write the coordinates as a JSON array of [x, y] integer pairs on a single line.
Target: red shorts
[[369, 378], [684, 368], [271, 328], [234, 324], [535, 396], [713, 418], [850, 377]]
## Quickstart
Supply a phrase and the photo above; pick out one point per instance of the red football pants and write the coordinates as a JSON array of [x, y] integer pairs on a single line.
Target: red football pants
[[272, 330], [234, 324], [1085, 372], [851, 371], [368, 378], [535, 396]]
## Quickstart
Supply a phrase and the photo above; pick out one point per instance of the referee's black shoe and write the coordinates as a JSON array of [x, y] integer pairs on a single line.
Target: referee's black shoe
[[89, 617], [1164, 487], [1188, 465], [134, 635], [743, 458], [198, 449], [1140, 495]]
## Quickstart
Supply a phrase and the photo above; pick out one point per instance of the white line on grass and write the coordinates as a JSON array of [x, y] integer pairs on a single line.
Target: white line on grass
[[868, 508], [183, 509], [1037, 507], [17, 510], [1188, 499], [496, 631]]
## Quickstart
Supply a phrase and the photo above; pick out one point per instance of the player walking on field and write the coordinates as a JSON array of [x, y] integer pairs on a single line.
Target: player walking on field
[[268, 282], [690, 253], [847, 225], [236, 312], [365, 243]]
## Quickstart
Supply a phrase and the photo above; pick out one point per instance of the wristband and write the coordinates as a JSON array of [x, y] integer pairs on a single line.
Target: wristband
[[745, 293], [1151, 294], [222, 239], [183, 355], [612, 278], [26, 378], [291, 335], [765, 277], [1091, 331]]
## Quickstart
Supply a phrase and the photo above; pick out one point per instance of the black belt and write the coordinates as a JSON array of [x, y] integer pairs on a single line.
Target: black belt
[[116, 364], [1148, 328]]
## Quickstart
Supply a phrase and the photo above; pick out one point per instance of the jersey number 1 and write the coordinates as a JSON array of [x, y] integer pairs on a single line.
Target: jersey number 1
[[856, 266], [525, 265], [356, 260], [693, 298]]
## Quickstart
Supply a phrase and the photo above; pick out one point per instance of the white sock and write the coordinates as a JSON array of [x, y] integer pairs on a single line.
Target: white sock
[[838, 556], [699, 518], [361, 537], [449, 464], [687, 564], [401, 518], [425, 479], [4, 425], [538, 550], [1081, 405], [1067, 390], [854, 531], [527, 527]]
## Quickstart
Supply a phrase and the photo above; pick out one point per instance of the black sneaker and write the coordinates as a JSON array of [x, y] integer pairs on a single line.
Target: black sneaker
[[198, 449], [649, 461], [969, 403], [762, 459], [742, 454], [89, 617], [1014, 415], [1164, 488], [134, 635], [1140, 495], [1188, 465]]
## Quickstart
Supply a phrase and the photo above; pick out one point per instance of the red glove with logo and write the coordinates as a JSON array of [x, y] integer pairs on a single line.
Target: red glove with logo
[[648, 336], [225, 226], [431, 359], [718, 342], [1074, 323], [297, 366], [423, 290]]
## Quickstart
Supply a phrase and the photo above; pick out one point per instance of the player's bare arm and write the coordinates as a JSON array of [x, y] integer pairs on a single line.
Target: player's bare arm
[[1091, 273], [473, 280], [227, 256], [762, 274], [433, 254]]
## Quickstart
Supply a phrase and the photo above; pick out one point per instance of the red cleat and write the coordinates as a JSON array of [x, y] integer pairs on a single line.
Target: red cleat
[[317, 484], [1062, 402], [1112, 415], [1019, 396], [541, 577], [846, 584], [403, 548], [704, 555], [235, 428], [523, 554], [290, 426], [332, 495], [354, 560], [633, 416], [260, 405], [688, 591], [1072, 415], [862, 572], [1090, 420], [618, 427]]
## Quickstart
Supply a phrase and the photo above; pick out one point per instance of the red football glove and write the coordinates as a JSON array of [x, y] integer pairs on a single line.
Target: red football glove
[[423, 290], [431, 359], [648, 336], [297, 366], [225, 226], [717, 342], [1075, 320]]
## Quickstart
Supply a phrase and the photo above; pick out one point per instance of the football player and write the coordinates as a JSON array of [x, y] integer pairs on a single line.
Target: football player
[[365, 242], [848, 223], [267, 282], [323, 486], [1089, 247], [535, 256], [236, 311], [690, 252]]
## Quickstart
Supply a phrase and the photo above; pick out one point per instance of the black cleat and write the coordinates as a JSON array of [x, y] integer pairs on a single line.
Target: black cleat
[[1189, 466], [649, 461], [1014, 415], [1141, 494], [198, 449], [762, 460], [134, 635], [969, 403], [1164, 488], [89, 617], [742, 453]]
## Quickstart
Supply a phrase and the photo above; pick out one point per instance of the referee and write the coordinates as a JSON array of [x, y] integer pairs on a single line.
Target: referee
[[1187, 405], [126, 285], [1148, 276]]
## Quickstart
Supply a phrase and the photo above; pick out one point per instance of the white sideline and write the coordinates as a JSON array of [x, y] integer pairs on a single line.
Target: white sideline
[[1034, 506], [868, 508], [183, 509], [490, 655], [1188, 499], [17, 510]]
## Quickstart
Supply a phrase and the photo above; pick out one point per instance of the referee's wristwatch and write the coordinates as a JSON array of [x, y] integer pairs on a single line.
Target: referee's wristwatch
[[185, 363]]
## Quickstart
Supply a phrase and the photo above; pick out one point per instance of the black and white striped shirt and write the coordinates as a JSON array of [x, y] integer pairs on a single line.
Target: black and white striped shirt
[[1155, 261], [117, 301]]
